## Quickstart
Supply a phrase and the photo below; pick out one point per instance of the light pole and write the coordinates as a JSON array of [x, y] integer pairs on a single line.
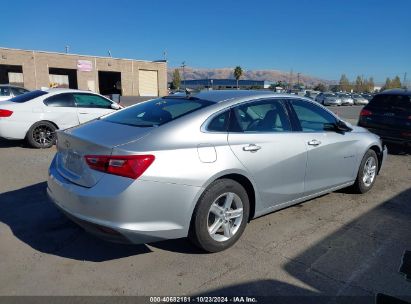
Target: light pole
[[183, 65]]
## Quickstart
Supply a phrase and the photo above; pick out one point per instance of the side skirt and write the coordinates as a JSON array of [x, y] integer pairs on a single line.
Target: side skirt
[[302, 199]]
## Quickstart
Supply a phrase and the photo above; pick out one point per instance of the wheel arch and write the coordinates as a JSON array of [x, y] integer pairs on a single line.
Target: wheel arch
[[43, 120], [244, 181], [379, 153]]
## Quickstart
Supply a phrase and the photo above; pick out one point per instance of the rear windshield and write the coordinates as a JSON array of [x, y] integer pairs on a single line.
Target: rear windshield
[[157, 112], [28, 96], [399, 102]]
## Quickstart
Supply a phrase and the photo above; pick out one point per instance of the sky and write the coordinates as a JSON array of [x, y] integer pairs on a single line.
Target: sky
[[322, 38]]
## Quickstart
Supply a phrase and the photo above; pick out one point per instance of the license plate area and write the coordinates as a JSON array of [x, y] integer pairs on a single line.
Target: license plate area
[[73, 162]]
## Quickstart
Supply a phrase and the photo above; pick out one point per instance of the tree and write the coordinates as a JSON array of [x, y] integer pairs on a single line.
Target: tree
[[320, 87], [272, 86], [176, 79], [359, 84], [396, 83], [238, 72], [370, 85], [344, 83], [387, 84]]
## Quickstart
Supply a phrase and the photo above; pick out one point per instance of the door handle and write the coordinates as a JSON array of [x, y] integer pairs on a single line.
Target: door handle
[[251, 148], [314, 142]]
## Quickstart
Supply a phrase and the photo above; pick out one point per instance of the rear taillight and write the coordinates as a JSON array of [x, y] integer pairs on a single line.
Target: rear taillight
[[5, 113], [131, 166], [365, 112]]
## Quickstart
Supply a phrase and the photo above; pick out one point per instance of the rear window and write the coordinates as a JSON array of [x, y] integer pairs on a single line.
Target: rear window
[[28, 96], [157, 111], [388, 101]]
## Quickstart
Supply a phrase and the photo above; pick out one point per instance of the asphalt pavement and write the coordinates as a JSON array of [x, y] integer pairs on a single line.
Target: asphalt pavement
[[338, 244]]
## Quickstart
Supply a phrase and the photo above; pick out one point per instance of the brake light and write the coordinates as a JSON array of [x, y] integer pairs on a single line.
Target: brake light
[[365, 112], [5, 113], [132, 166]]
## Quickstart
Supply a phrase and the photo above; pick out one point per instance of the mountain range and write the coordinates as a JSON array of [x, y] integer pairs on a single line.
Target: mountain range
[[267, 75]]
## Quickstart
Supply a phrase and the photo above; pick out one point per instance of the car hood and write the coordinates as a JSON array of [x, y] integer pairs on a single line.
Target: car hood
[[358, 129]]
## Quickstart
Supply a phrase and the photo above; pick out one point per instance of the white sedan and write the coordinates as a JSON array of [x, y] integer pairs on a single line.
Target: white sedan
[[35, 116], [8, 91]]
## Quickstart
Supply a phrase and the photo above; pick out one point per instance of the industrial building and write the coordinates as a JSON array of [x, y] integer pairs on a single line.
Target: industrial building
[[105, 75]]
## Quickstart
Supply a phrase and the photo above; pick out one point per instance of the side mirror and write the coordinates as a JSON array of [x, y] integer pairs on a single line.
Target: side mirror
[[342, 126], [115, 106], [339, 127]]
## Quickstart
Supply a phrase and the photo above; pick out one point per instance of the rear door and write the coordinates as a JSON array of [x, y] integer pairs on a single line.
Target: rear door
[[91, 106], [331, 156], [261, 138], [61, 109]]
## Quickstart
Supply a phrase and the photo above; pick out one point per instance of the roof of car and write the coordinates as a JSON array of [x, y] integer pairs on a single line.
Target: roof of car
[[397, 92], [223, 95], [63, 90]]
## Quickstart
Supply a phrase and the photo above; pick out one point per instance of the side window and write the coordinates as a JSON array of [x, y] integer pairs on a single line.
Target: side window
[[4, 91], [260, 116], [91, 101], [219, 123], [312, 118], [60, 100]]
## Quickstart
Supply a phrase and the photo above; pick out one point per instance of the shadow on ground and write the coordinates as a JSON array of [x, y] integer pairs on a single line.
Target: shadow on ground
[[273, 291], [399, 150], [36, 221], [362, 257], [5, 143]]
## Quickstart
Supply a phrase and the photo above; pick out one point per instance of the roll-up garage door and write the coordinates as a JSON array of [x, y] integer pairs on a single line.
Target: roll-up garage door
[[148, 83]]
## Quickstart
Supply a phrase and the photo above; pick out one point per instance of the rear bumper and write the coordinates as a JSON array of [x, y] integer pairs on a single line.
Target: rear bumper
[[332, 103], [131, 211], [389, 136], [10, 129]]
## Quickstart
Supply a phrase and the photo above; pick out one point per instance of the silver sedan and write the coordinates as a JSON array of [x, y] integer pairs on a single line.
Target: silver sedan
[[203, 166]]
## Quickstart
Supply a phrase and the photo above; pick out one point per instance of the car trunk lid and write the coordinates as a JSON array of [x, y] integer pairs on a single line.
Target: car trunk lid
[[95, 138]]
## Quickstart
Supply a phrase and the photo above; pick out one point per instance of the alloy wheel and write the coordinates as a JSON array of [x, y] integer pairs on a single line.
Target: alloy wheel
[[225, 216], [43, 135], [369, 171]]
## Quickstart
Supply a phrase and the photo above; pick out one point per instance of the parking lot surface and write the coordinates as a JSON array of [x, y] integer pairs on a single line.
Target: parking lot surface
[[338, 244]]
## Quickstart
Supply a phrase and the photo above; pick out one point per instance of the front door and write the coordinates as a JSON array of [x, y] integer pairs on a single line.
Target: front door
[[91, 106], [260, 136], [332, 156]]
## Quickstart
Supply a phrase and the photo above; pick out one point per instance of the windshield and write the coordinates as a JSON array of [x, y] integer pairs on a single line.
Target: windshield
[[329, 95], [157, 112], [28, 96]]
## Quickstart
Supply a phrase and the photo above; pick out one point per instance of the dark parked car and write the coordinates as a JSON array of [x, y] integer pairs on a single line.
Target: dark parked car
[[388, 114]]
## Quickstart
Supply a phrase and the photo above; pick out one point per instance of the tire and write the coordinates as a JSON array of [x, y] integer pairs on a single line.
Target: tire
[[366, 175], [219, 194], [41, 135]]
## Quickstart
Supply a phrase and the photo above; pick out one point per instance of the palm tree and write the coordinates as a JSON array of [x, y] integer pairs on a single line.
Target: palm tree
[[238, 72]]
